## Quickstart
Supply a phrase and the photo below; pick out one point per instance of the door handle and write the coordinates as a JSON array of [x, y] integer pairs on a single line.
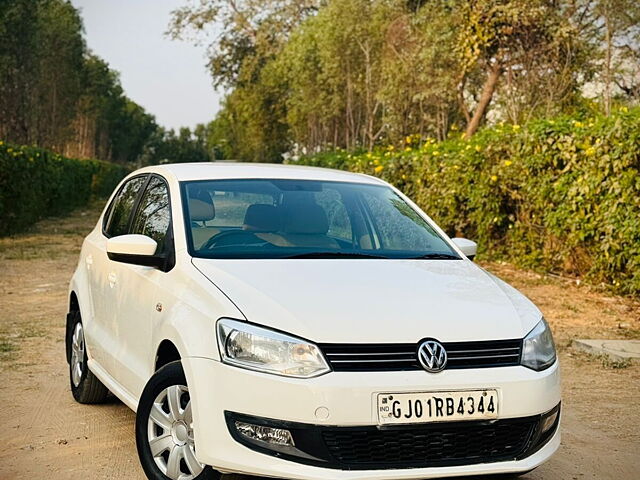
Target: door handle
[[112, 279]]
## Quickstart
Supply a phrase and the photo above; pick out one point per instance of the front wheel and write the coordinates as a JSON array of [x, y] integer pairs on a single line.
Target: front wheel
[[164, 429]]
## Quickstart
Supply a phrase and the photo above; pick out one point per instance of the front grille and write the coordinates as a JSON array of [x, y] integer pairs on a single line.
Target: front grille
[[403, 356], [430, 445]]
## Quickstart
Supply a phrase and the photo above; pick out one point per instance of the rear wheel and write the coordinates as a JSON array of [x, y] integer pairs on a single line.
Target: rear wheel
[[164, 429], [85, 386]]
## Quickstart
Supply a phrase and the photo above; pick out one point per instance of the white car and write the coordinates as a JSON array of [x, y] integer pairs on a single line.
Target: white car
[[304, 323]]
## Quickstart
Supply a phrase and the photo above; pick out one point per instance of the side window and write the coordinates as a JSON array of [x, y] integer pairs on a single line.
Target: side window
[[122, 206], [153, 216]]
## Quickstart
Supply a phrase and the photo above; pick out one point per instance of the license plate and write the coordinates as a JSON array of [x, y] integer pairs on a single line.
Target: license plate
[[396, 408]]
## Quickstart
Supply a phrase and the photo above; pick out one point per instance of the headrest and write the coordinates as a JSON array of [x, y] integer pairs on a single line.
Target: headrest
[[201, 207], [305, 218], [262, 218]]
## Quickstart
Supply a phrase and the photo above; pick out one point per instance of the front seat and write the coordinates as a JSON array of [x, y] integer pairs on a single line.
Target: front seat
[[261, 217], [306, 225], [201, 209]]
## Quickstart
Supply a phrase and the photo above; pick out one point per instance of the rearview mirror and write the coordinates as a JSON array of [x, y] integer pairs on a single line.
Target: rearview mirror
[[467, 247], [134, 249]]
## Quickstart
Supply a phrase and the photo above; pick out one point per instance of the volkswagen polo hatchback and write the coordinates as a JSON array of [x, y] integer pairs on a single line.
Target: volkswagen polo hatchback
[[304, 323]]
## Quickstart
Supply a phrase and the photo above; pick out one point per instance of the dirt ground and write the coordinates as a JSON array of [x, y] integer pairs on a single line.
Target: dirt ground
[[45, 434]]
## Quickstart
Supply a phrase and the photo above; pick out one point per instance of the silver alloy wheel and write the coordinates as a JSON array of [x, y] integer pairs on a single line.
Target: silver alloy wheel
[[170, 433], [77, 354]]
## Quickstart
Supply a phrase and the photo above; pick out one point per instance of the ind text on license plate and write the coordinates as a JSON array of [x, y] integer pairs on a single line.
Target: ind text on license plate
[[437, 406]]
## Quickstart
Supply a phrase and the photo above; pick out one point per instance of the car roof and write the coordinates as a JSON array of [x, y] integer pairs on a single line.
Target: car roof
[[236, 170]]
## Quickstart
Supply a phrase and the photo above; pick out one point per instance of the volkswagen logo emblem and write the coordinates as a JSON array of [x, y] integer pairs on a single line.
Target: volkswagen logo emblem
[[432, 356]]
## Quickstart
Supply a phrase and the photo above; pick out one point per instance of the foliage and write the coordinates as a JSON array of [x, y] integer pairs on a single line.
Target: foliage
[[35, 183], [41, 57], [248, 32], [307, 75], [562, 195], [54, 93], [167, 147]]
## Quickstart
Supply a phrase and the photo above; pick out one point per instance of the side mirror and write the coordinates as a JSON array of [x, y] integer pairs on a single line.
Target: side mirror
[[134, 249], [468, 247]]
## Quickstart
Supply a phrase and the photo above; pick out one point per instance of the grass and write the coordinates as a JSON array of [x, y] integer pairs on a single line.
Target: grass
[[7, 349], [53, 237], [604, 360]]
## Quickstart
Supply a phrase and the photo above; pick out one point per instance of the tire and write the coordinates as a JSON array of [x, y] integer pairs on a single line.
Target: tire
[[164, 420], [85, 386]]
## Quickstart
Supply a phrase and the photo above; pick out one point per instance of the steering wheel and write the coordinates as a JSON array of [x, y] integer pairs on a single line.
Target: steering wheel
[[231, 237]]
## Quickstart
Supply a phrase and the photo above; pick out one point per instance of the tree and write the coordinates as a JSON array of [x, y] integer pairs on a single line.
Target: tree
[[168, 147], [613, 28], [498, 36], [332, 68], [306, 76], [250, 33], [41, 56], [419, 67], [54, 93]]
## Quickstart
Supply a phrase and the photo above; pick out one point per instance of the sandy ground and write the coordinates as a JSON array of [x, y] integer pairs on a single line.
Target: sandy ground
[[45, 434]]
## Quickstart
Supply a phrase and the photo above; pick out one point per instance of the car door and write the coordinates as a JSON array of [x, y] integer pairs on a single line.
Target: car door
[[140, 290], [99, 333]]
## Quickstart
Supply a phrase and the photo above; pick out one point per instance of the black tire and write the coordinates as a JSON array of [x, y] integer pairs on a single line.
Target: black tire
[[170, 375], [88, 389]]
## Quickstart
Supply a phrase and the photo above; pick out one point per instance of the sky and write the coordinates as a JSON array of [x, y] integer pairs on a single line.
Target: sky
[[167, 77]]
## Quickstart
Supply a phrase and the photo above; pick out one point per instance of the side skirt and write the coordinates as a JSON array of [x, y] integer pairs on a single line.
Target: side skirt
[[114, 387]]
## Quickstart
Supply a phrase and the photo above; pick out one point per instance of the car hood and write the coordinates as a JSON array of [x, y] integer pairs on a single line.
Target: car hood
[[373, 300]]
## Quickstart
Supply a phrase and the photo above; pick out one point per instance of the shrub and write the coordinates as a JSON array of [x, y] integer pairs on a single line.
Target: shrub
[[560, 195], [35, 183]]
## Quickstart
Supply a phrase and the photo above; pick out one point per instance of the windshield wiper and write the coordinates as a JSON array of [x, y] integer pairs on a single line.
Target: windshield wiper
[[437, 256], [333, 255]]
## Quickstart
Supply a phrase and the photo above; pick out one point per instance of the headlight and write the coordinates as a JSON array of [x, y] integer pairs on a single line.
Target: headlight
[[263, 350], [538, 350]]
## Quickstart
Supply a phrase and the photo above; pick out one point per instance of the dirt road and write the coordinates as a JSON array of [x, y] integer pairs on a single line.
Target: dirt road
[[45, 434]]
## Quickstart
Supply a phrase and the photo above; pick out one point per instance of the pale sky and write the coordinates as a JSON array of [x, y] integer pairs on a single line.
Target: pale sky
[[167, 77]]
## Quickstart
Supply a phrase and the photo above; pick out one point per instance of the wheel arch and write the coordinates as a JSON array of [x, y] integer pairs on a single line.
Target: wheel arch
[[166, 352], [74, 304], [74, 310]]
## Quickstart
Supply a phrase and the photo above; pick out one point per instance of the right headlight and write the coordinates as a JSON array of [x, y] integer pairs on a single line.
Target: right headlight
[[261, 349], [538, 349]]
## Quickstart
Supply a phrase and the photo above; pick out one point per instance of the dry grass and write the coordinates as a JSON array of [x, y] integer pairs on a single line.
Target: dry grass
[[52, 238], [574, 310]]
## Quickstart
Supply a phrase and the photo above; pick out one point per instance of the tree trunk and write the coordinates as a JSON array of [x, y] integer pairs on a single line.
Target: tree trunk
[[607, 79], [485, 99]]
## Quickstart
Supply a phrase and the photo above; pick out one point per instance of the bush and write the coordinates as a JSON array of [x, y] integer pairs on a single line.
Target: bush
[[35, 183], [560, 195]]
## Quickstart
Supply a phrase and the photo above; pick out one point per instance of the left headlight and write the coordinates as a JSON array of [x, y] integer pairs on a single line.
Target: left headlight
[[256, 348], [538, 349]]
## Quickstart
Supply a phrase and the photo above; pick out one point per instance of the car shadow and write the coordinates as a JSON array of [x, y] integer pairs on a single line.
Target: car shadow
[[476, 477]]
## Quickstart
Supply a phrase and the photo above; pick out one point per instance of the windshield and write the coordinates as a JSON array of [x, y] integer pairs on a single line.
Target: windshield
[[269, 218]]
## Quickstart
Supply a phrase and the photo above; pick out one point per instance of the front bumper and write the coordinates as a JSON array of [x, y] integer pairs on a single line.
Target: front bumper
[[349, 400]]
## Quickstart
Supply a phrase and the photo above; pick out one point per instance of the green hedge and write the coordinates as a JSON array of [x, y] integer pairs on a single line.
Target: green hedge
[[559, 195], [36, 183]]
